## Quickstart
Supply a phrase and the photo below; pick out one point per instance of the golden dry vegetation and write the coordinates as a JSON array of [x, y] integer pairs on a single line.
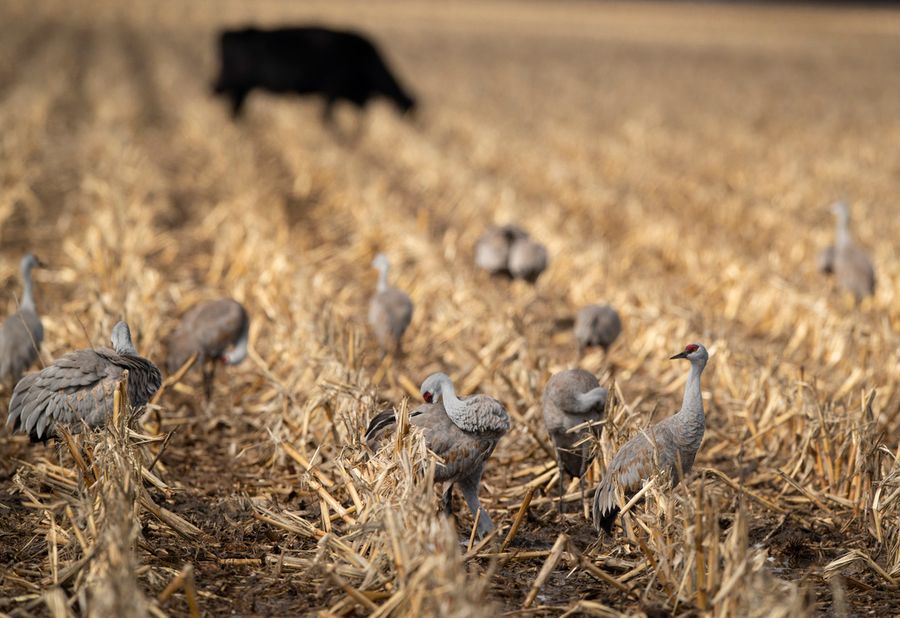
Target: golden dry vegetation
[[677, 160]]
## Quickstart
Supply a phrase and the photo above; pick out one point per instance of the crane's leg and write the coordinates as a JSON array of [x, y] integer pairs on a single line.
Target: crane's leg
[[238, 96], [328, 118], [469, 487], [561, 486], [583, 496], [209, 371], [447, 501]]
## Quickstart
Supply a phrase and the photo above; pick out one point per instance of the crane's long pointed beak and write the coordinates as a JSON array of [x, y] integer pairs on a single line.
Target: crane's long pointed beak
[[679, 355]]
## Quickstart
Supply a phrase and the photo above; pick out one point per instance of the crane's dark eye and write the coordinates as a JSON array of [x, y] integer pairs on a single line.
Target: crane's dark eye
[[689, 348], [427, 397]]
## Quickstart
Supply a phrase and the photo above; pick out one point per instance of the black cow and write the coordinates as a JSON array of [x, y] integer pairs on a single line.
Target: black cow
[[309, 60]]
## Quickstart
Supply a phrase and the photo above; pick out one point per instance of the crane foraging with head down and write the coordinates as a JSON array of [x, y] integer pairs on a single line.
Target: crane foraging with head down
[[597, 325], [217, 331], [390, 310], [527, 260], [508, 250], [462, 432], [669, 446], [492, 248], [22, 332], [78, 388], [571, 398]]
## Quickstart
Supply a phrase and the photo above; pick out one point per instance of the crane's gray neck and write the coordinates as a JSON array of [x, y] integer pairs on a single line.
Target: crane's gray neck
[[28, 291], [692, 404], [595, 398], [121, 339], [842, 221], [239, 352], [843, 232], [455, 407], [382, 277], [125, 347]]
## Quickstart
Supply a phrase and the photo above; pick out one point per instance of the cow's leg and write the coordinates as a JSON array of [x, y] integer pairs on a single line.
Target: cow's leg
[[328, 111], [238, 96], [359, 127]]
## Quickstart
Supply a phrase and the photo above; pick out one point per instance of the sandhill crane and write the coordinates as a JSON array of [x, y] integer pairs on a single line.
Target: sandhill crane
[[851, 265], [597, 325], [527, 260], [492, 248], [462, 432], [571, 398], [508, 250], [78, 388], [22, 332], [390, 310], [217, 331], [668, 446]]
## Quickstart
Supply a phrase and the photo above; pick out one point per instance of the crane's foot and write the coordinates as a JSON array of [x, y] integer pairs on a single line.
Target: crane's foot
[[485, 525]]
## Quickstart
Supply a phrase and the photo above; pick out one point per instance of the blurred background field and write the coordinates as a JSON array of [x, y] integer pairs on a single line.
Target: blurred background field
[[677, 160]]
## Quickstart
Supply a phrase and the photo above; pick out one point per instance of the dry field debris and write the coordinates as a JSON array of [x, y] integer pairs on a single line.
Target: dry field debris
[[676, 160]]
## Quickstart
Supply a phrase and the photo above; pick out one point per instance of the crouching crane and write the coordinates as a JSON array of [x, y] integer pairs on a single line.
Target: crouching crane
[[78, 388]]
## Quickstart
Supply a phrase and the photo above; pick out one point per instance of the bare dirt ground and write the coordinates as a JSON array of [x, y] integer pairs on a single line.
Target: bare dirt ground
[[677, 160]]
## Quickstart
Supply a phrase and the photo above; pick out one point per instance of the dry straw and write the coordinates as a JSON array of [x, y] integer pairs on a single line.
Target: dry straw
[[121, 172]]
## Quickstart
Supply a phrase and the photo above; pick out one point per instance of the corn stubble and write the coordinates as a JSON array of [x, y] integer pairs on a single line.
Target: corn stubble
[[146, 198]]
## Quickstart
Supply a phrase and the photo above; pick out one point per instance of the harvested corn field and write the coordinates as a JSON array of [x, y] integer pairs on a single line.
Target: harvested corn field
[[676, 160]]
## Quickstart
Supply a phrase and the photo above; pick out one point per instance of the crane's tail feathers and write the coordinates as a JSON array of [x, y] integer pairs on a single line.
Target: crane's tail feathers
[[606, 520], [377, 427], [605, 508]]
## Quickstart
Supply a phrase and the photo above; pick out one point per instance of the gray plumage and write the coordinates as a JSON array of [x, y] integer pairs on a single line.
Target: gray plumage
[[825, 260], [390, 310], [217, 331], [571, 398], [527, 260], [508, 250], [492, 248], [597, 325], [22, 333], [78, 388], [669, 446], [852, 267], [463, 433]]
